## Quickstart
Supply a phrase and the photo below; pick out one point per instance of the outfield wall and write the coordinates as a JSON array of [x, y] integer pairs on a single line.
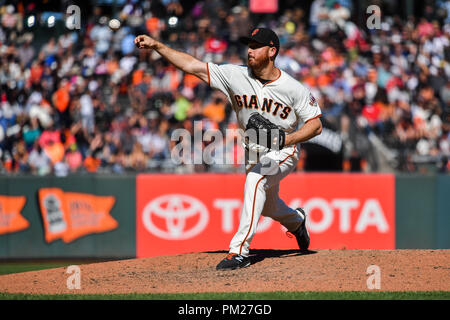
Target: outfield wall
[[422, 211], [30, 242], [158, 214]]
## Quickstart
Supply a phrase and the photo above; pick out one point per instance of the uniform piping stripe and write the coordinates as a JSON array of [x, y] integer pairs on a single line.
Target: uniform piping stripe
[[254, 200], [253, 213], [293, 152], [271, 81], [318, 116], [207, 71]]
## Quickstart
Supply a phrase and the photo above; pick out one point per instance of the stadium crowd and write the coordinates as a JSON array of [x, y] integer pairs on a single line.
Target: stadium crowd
[[89, 101]]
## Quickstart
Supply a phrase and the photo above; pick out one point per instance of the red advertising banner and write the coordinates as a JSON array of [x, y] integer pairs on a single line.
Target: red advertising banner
[[194, 213], [263, 6]]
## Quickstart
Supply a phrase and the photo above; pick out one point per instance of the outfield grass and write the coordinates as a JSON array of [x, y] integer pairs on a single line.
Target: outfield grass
[[353, 295], [8, 268], [24, 266]]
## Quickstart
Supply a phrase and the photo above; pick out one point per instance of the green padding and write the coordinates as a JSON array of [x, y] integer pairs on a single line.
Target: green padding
[[30, 243], [443, 212], [415, 212]]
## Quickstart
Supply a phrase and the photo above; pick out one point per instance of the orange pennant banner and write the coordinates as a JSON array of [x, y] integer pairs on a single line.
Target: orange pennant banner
[[10, 218], [69, 215]]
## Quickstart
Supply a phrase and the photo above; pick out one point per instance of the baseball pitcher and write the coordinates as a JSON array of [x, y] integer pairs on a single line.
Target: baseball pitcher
[[269, 105]]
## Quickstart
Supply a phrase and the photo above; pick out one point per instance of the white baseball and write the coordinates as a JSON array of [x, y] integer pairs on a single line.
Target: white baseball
[[114, 24]]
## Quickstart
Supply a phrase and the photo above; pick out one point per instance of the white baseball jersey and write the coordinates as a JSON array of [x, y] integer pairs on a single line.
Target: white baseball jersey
[[284, 101]]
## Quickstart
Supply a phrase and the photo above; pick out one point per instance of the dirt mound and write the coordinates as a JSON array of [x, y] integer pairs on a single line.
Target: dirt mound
[[271, 270]]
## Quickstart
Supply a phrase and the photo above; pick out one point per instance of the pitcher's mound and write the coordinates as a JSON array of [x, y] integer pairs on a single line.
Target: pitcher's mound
[[271, 270]]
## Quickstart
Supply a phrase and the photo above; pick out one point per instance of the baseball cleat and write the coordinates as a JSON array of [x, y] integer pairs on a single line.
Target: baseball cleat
[[233, 261], [302, 234]]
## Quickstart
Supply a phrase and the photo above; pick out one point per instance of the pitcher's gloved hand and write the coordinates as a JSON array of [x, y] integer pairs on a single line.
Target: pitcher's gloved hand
[[261, 131]]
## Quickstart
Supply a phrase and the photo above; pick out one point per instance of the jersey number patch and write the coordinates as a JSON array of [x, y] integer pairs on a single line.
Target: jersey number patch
[[312, 101]]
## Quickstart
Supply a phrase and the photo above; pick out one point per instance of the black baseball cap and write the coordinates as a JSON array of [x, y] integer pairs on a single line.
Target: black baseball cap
[[263, 36]]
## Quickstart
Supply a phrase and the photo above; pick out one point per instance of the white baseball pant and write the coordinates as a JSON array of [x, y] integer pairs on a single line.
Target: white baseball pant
[[261, 197]]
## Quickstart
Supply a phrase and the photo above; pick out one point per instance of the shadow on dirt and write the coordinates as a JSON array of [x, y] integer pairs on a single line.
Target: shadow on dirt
[[258, 255]]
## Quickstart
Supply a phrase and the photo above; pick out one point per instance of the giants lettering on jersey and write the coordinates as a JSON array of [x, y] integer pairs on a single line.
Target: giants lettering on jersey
[[268, 106]]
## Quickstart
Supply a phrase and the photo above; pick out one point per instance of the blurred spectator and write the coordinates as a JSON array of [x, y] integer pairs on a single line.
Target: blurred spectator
[[38, 161], [88, 101], [26, 53], [73, 158], [87, 112], [92, 162], [317, 13], [215, 110]]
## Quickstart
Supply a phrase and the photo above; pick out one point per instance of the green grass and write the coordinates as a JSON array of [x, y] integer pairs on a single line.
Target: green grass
[[20, 267], [24, 266], [330, 295]]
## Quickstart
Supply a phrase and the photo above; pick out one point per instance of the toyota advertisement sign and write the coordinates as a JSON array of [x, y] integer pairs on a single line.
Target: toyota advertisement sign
[[196, 213]]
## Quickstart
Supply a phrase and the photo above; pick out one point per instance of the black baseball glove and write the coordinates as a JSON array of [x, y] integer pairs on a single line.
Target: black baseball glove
[[261, 131]]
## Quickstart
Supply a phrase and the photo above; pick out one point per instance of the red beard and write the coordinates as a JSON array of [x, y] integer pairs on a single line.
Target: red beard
[[258, 63]]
